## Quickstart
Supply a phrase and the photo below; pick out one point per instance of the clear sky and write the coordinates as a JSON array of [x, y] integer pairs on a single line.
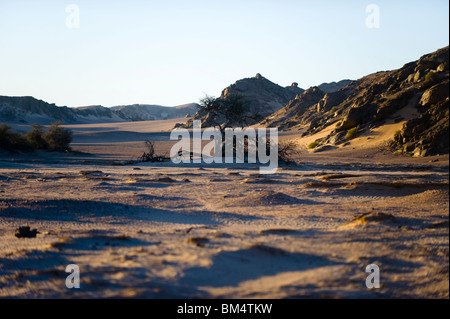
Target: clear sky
[[171, 52]]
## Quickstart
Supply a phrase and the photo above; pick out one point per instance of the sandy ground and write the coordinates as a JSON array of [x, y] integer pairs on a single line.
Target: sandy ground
[[158, 230]]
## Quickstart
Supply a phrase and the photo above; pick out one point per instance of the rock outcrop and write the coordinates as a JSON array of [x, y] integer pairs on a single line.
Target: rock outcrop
[[429, 133], [261, 97], [333, 86], [371, 100], [293, 112]]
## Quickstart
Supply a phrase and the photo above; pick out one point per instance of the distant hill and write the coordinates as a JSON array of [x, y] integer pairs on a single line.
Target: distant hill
[[369, 101], [144, 112], [333, 86], [28, 110]]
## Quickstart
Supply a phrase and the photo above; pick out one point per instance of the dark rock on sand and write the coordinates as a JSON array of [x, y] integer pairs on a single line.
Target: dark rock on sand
[[25, 232]]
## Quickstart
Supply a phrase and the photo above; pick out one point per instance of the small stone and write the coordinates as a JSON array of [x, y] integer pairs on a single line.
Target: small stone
[[199, 241], [165, 180], [25, 232]]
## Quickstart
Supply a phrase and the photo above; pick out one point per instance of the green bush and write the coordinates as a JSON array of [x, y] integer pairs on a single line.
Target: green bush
[[20, 142], [13, 141], [313, 145], [5, 136], [35, 137], [352, 132], [431, 77], [57, 138]]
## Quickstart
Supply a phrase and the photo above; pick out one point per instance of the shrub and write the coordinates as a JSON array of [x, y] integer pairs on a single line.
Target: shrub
[[352, 133], [5, 136], [150, 155], [55, 138], [431, 77], [13, 141], [35, 137], [313, 145], [286, 150], [58, 138], [20, 143]]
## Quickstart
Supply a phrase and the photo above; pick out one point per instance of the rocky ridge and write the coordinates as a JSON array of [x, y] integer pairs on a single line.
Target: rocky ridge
[[370, 101], [28, 110]]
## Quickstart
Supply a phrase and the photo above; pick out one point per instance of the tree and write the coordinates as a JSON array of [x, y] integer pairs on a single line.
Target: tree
[[35, 137], [225, 112], [58, 138], [228, 112], [13, 141]]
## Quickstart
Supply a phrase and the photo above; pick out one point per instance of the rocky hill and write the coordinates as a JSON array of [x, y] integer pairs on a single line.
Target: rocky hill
[[263, 96], [260, 96], [368, 102], [28, 110]]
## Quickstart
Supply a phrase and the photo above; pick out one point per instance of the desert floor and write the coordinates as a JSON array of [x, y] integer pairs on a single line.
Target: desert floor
[[160, 230]]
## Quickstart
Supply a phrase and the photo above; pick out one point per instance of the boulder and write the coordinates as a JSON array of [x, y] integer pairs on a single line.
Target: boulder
[[348, 123], [408, 128], [359, 115], [435, 94], [417, 76], [324, 148], [420, 151], [337, 137], [410, 78], [25, 232], [409, 147], [332, 99], [442, 67]]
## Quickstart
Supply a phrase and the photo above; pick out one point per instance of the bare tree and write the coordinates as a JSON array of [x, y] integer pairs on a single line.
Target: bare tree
[[150, 154], [286, 150], [225, 112]]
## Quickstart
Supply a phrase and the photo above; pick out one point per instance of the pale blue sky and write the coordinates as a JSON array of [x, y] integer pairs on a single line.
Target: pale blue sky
[[172, 52]]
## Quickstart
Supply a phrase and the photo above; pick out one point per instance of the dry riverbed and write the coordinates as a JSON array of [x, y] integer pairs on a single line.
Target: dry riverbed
[[164, 231]]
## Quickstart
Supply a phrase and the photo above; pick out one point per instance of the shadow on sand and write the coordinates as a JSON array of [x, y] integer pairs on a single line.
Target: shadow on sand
[[87, 211], [230, 268]]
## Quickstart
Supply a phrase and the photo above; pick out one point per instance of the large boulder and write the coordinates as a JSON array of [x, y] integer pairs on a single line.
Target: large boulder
[[330, 100], [311, 96], [358, 115], [435, 94]]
